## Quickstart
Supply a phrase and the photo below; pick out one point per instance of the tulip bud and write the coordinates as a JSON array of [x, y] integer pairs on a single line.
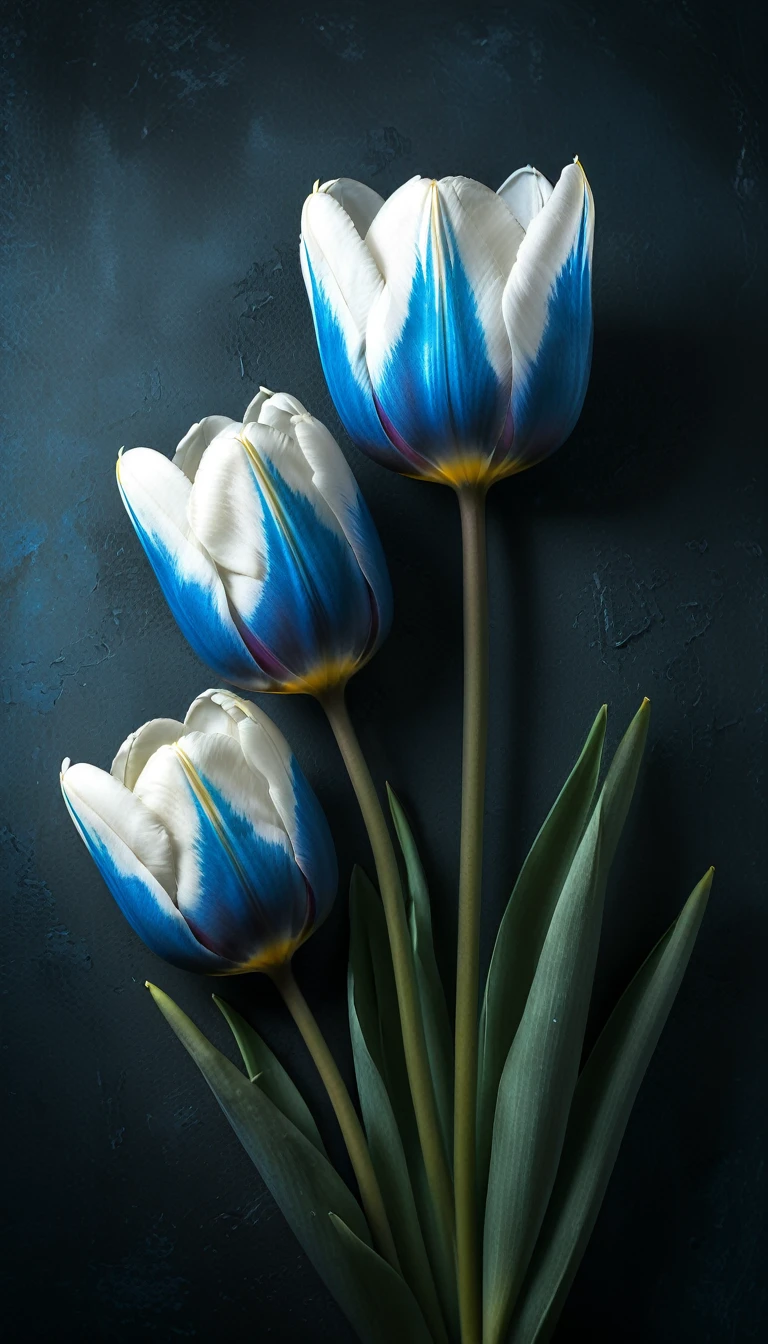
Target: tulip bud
[[454, 323], [264, 547], [209, 838]]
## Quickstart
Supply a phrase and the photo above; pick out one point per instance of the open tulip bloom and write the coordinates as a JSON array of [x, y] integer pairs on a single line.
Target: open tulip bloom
[[209, 837], [454, 326], [454, 323], [263, 546]]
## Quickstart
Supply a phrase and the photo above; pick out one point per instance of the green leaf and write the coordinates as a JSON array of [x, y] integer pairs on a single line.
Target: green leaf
[[376, 999], [265, 1070], [302, 1181], [604, 1096], [378, 1016], [541, 1070], [524, 927], [388, 1157], [437, 1022], [382, 1307]]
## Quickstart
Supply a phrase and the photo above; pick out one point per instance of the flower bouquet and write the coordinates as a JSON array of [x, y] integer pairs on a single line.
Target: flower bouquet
[[454, 326]]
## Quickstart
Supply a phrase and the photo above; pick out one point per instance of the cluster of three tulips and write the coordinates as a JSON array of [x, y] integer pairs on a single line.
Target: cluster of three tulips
[[454, 327]]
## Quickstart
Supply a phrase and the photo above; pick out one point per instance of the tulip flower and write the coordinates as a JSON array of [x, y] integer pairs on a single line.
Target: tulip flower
[[454, 323], [271, 564], [454, 326], [263, 546], [209, 838]]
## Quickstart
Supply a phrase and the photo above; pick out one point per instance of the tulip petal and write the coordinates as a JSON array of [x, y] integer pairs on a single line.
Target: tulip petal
[[341, 343], [360, 202], [268, 754], [225, 508], [239, 887], [333, 478], [548, 312], [301, 597], [525, 192], [488, 237], [95, 800], [196, 440], [439, 365], [279, 410], [139, 746], [156, 493], [253, 409], [331, 235]]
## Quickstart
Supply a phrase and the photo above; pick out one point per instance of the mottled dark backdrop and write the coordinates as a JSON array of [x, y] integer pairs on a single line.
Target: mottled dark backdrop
[[157, 158]]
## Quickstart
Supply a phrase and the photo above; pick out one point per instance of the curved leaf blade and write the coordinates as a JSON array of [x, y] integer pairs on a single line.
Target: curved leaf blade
[[537, 1084], [541, 1070], [602, 1102], [381, 1306], [302, 1182], [379, 1018], [388, 1157], [524, 927], [264, 1069], [437, 1022]]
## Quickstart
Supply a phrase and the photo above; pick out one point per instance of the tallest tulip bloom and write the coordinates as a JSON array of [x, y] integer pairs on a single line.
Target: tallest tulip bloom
[[455, 330], [454, 323]]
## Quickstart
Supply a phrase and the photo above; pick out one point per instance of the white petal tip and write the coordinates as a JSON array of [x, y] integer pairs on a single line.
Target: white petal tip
[[267, 391], [65, 764], [304, 418], [316, 187]]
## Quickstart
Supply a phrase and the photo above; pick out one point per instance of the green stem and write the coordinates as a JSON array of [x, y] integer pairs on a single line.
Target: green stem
[[414, 1042], [349, 1124], [472, 509]]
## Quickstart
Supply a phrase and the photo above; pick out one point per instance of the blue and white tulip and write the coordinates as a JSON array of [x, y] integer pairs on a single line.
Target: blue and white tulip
[[264, 547], [454, 323], [209, 838]]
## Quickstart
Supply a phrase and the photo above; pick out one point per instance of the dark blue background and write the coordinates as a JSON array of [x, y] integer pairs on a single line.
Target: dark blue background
[[157, 159]]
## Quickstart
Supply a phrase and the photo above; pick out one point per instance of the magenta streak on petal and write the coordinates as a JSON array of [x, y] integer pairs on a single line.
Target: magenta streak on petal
[[268, 663], [504, 444], [414, 459], [309, 922]]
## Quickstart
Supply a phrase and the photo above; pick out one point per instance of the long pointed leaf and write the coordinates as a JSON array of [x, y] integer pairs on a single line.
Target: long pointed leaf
[[602, 1102], [540, 1074], [524, 927], [302, 1182], [437, 1022], [537, 1084], [379, 1018], [382, 1307], [268, 1073], [389, 1162], [376, 998]]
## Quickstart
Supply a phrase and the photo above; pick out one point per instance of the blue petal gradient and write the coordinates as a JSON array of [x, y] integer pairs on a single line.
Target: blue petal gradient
[[161, 926], [314, 607], [547, 399], [194, 604], [438, 393], [313, 845], [353, 399], [252, 900]]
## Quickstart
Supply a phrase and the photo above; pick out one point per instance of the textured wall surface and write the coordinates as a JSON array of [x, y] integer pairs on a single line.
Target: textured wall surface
[[157, 155]]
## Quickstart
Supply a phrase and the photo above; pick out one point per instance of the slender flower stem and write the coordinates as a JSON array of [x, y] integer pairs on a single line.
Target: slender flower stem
[[349, 1124], [414, 1042], [472, 508]]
